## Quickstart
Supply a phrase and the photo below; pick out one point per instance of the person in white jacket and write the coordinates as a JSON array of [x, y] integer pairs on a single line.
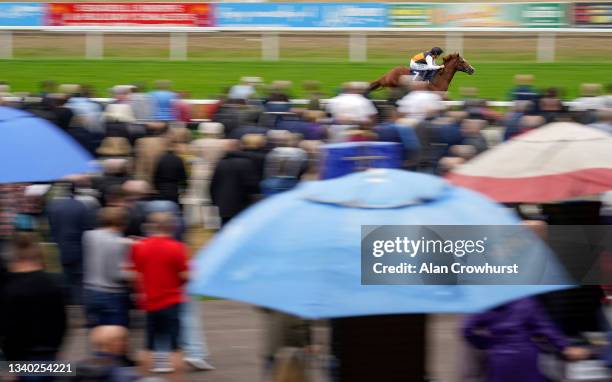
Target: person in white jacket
[[424, 64]]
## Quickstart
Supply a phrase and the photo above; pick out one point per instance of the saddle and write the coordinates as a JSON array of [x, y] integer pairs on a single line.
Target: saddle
[[423, 76]]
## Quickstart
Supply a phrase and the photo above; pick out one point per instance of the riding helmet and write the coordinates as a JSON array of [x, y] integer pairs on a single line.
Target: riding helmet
[[436, 50]]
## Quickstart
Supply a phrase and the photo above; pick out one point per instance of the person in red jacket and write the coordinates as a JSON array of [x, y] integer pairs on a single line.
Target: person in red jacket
[[161, 265]]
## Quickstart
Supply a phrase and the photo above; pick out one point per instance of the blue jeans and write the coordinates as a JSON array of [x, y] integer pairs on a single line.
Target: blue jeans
[[191, 335], [192, 339], [106, 308]]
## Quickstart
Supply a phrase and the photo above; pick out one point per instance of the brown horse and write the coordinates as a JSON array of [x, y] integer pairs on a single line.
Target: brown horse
[[442, 79]]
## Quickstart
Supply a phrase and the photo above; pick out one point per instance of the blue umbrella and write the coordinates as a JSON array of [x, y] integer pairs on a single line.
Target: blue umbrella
[[34, 150], [299, 252]]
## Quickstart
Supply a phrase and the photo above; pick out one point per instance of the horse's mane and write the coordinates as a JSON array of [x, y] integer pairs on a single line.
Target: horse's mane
[[450, 57]]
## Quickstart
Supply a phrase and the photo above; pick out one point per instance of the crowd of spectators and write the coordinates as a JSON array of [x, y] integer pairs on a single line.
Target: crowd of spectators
[[121, 235]]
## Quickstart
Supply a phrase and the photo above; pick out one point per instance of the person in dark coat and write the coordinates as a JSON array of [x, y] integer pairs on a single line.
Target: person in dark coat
[[115, 174], [234, 183], [253, 147], [507, 333], [69, 218], [62, 114], [33, 319], [170, 177]]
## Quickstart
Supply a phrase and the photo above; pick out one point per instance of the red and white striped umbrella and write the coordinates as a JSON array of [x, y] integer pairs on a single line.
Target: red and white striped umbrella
[[558, 161]]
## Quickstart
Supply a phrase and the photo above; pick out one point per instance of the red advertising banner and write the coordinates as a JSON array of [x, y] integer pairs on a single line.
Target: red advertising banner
[[130, 14]]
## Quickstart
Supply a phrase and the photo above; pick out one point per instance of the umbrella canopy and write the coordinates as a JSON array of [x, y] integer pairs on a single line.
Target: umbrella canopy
[[558, 161], [34, 150], [299, 252]]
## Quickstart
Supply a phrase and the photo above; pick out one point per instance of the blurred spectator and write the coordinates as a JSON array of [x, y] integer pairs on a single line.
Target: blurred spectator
[[550, 105], [507, 335], [8, 211], [170, 177], [513, 118], [84, 193], [33, 319], [278, 93], [192, 340], [284, 168], [526, 124], [607, 98], [234, 182], [419, 102], [253, 147], [229, 115], [400, 130], [608, 351], [291, 365], [141, 103], [138, 194], [68, 220], [182, 108], [162, 99], [604, 120], [62, 114], [463, 152], [107, 296], [530, 122], [114, 146], [115, 173], [109, 360], [312, 129], [351, 106], [181, 138], [524, 91], [244, 90], [88, 111], [161, 263], [168, 206], [588, 103], [387, 131], [472, 136], [247, 125], [447, 164], [119, 114], [149, 149], [47, 89], [590, 97], [207, 150], [314, 94]]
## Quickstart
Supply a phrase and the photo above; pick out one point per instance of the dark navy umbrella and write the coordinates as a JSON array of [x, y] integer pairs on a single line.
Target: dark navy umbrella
[[34, 150]]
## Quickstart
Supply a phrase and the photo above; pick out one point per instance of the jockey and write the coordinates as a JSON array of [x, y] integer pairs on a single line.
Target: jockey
[[424, 64]]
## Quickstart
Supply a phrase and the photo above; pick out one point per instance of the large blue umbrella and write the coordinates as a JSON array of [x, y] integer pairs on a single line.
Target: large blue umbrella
[[299, 252], [33, 150]]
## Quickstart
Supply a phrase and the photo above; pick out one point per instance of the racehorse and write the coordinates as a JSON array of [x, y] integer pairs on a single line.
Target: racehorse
[[440, 82]]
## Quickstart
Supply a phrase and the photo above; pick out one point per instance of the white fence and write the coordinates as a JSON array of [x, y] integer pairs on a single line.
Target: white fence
[[357, 38]]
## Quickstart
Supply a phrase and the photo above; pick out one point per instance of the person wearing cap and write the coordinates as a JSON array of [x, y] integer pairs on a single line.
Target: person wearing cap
[[424, 64]]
